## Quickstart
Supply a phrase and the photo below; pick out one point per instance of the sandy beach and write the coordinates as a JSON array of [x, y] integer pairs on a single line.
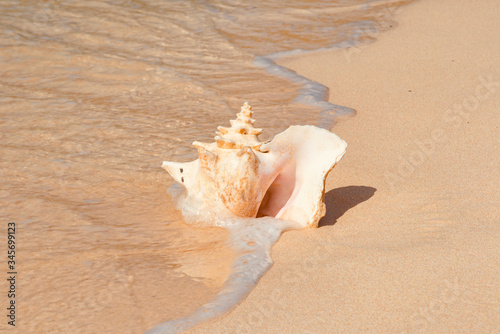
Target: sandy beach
[[95, 95], [410, 242]]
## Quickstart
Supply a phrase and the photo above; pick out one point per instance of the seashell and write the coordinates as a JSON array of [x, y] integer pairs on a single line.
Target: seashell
[[283, 178]]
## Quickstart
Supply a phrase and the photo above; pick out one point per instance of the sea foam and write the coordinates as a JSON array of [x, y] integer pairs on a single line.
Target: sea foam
[[252, 239]]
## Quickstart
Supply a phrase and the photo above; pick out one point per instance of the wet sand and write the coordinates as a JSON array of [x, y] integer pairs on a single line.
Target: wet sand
[[410, 240]]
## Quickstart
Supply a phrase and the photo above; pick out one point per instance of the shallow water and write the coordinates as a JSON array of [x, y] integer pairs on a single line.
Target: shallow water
[[94, 95]]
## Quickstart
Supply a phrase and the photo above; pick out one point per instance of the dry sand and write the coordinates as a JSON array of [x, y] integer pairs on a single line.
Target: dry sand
[[411, 240]]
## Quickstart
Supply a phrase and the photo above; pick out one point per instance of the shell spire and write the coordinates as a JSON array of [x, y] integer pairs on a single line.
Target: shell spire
[[241, 133]]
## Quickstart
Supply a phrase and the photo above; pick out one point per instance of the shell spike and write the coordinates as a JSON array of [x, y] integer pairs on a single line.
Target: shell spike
[[241, 132], [199, 145], [222, 130], [224, 142]]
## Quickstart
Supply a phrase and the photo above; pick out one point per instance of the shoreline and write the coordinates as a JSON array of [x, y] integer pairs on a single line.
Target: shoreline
[[312, 93], [411, 233]]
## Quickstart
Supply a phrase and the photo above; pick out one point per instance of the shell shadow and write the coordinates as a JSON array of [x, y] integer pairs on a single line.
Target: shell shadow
[[339, 200]]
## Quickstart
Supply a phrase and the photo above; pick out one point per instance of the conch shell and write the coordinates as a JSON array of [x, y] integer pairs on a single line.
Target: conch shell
[[283, 178]]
